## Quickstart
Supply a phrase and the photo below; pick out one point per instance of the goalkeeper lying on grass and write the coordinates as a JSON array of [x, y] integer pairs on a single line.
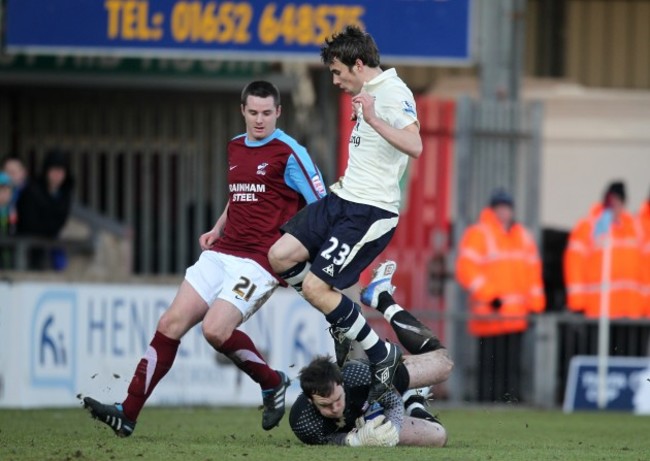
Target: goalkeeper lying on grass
[[333, 406]]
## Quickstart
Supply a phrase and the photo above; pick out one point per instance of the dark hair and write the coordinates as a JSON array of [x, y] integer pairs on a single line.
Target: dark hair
[[320, 376], [350, 45], [261, 89], [56, 158], [617, 189]]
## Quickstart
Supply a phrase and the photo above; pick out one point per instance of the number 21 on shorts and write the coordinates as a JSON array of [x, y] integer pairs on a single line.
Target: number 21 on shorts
[[244, 288]]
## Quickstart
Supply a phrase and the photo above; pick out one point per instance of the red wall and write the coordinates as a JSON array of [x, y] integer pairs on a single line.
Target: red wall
[[424, 229]]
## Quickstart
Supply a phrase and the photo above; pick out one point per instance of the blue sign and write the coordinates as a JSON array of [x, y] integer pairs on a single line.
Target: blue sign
[[627, 385], [416, 31], [53, 340]]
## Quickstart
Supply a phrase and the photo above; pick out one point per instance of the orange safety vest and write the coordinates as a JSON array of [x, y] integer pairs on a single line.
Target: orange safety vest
[[497, 263], [583, 269], [644, 219]]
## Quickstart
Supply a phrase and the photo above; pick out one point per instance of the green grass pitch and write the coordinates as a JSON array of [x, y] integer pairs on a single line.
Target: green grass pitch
[[224, 434]]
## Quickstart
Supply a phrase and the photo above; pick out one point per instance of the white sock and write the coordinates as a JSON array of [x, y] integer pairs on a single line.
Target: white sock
[[391, 311]]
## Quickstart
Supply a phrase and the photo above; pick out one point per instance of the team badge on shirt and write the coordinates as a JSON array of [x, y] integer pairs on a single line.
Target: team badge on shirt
[[408, 108]]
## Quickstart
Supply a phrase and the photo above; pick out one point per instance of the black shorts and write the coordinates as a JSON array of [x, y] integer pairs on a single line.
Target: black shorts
[[342, 237]]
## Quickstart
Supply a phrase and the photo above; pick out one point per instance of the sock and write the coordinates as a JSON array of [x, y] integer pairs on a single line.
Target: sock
[[347, 318], [240, 349], [420, 413], [384, 301], [412, 334], [416, 337], [155, 364], [416, 409], [295, 275]]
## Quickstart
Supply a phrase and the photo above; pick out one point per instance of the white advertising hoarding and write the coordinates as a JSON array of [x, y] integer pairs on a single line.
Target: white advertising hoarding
[[63, 341]]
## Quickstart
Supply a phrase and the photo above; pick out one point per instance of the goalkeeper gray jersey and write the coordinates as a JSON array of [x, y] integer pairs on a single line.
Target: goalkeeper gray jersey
[[314, 429]]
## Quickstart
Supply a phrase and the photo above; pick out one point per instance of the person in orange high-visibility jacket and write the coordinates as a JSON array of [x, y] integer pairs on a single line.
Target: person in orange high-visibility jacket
[[498, 263], [644, 220], [584, 256]]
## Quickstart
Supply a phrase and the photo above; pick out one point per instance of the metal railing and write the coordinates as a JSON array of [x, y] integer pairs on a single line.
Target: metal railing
[[546, 349], [21, 247]]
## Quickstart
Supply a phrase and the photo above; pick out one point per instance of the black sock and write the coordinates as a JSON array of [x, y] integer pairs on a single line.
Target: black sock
[[385, 301], [416, 337], [295, 275], [421, 413]]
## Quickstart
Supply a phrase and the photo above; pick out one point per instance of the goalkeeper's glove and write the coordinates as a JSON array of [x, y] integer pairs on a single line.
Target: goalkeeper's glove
[[376, 432]]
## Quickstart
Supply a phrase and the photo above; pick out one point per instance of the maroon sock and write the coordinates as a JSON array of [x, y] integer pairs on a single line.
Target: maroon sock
[[152, 367], [240, 349]]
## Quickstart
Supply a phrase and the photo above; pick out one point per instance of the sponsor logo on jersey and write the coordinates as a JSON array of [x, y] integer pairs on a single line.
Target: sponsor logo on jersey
[[246, 192], [408, 108], [247, 187], [232, 167], [355, 140], [318, 185], [329, 270], [261, 168]]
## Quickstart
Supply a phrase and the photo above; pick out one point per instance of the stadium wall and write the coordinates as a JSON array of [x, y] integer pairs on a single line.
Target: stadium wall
[[64, 341]]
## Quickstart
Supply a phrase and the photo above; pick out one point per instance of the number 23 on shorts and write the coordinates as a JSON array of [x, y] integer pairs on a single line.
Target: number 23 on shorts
[[338, 251]]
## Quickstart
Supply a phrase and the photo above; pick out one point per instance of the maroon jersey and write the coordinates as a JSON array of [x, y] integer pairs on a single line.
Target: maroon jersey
[[269, 181]]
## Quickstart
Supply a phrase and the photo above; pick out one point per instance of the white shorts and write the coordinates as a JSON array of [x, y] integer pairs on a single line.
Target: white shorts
[[240, 281]]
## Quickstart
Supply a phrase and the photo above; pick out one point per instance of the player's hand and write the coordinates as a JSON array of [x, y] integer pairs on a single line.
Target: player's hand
[[385, 435], [376, 432], [207, 240], [366, 102]]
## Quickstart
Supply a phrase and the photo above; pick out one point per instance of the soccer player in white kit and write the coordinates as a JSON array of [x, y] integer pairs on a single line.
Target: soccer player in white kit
[[330, 242]]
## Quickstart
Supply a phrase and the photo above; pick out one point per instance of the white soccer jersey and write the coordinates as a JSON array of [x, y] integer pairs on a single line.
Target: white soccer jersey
[[375, 167]]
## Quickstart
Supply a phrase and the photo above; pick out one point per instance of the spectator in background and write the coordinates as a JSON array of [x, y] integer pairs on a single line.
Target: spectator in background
[[43, 208], [583, 259], [16, 170], [644, 219], [499, 265], [7, 220]]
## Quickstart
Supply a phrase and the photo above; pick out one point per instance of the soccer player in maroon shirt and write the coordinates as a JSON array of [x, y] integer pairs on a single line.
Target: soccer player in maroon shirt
[[270, 178]]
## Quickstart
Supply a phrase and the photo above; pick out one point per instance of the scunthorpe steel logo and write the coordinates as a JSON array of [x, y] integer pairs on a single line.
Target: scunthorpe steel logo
[[53, 338]]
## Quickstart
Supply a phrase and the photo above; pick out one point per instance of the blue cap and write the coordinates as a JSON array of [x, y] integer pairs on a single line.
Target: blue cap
[[5, 180], [501, 196]]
